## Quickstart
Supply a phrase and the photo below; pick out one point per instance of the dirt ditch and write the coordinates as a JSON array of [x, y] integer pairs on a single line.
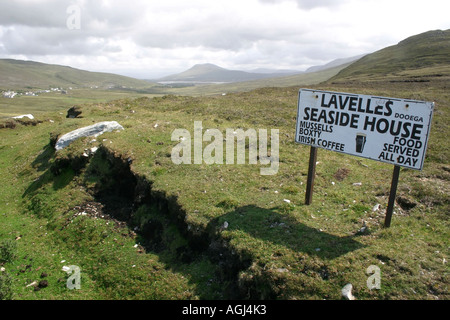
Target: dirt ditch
[[129, 200]]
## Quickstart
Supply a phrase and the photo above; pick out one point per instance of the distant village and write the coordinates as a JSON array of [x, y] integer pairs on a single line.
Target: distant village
[[13, 94]]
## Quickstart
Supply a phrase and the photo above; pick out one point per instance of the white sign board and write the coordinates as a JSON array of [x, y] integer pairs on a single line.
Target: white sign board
[[390, 130]]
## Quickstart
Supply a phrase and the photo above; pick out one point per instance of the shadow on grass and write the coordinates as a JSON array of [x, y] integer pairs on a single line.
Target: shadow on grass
[[60, 174], [279, 228], [42, 161]]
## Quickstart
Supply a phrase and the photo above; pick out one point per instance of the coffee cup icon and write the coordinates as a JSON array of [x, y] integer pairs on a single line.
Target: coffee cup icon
[[360, 142]]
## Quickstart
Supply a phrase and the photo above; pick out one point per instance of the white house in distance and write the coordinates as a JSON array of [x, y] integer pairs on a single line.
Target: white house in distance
[[9, 94]]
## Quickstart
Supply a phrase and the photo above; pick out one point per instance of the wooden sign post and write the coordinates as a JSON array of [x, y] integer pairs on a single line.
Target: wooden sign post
[[311, 175], [392, 194], [389, 130]]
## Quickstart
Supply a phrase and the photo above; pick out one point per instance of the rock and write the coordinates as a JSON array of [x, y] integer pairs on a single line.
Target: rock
[[29, 116], [364, 229], [74, 112], [376, 207], [65, 269], [94, 150], [347, 292], [90, 131]]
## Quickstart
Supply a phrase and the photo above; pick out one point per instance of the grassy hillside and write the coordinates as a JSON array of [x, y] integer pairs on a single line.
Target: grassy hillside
[[140, 226], [57, 102], [427, 52], [18, 74]]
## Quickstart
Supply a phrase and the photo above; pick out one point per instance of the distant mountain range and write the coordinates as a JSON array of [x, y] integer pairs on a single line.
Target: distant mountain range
[[210, 73], [334, 63]]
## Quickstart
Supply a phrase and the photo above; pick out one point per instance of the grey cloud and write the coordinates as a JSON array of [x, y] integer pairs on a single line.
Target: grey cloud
[[118, 15], [47, 13], [309, 4], [40, 28], [51, 41], [215, 33], [216, 39]]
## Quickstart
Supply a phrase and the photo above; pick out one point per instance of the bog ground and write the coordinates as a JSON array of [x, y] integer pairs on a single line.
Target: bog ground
[[141, 227]]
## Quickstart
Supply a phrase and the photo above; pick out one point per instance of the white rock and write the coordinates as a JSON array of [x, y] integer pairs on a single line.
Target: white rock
[[94, 150], [357, 184], [347, 292], [66, 269], [363, 229], [376, 207], [287, 201], [29, 116], [90, 131]]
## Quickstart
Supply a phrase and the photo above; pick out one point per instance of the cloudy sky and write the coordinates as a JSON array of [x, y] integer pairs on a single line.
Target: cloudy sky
[[149, 38]]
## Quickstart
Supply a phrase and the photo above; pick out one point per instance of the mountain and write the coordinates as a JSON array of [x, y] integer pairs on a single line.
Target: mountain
[[275, 71], [19, 74], [300, 79], [426, 50], [334, 63], [210, 73]]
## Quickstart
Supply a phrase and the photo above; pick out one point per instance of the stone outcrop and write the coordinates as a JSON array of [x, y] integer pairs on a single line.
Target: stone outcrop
[[90, 131], [74, 112]]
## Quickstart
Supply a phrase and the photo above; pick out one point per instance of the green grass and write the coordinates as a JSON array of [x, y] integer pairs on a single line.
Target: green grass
[[49, 102], [284, 250], [155, 230]]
